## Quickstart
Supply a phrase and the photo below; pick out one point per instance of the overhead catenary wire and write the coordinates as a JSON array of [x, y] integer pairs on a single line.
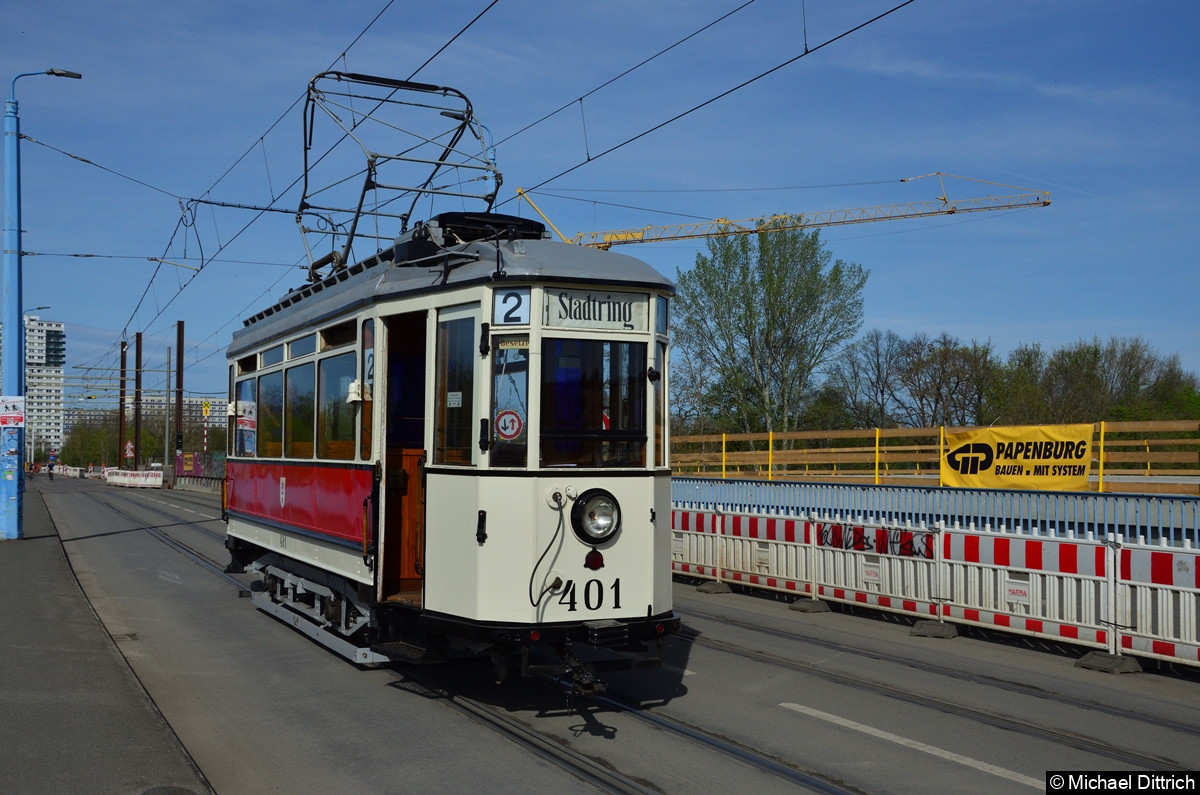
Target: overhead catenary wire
[[625, 73], [717, 97], [260, 142], [296, 181]]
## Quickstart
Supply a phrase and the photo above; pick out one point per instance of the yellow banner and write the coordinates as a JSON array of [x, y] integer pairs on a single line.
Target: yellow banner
[[1042, 457]]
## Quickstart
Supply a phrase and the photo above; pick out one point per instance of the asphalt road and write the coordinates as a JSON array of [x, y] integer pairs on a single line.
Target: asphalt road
[[854, 700]]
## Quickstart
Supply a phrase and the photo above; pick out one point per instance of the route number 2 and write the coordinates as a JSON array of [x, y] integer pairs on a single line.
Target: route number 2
[[511, 307], [592, 594]]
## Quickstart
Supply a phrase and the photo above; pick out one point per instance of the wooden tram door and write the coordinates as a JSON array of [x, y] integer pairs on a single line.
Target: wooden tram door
[[403, 564]]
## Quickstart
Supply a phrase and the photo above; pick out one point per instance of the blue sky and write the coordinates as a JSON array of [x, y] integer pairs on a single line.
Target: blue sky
[[1096, 102]]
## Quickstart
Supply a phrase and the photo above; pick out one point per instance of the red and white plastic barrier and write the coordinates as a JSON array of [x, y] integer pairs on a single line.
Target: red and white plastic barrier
[[145, 480], [1125, 599]]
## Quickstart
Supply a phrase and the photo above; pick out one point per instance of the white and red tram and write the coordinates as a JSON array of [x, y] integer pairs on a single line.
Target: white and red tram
[[459, 444]]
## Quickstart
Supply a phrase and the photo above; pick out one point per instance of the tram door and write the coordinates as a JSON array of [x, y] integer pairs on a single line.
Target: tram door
[[404, 460]]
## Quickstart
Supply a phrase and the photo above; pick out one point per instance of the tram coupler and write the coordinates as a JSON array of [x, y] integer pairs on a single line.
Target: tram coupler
[[582, 675]]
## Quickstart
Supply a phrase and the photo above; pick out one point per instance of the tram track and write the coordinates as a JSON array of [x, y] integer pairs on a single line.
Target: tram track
[[951, 673], [538, 743], [725, 747], [598, 773], [544, 745], [1072, 740], [187, 551]]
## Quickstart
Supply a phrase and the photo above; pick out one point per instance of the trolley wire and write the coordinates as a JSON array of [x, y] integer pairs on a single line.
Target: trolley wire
[[261, 211], [717, 97], [260, 141]]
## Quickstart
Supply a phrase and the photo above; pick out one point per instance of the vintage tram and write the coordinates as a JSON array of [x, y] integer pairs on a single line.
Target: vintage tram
[[460, 444]]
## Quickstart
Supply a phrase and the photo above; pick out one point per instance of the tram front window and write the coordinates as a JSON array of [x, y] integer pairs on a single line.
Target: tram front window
[[510, 396], [593, 403]]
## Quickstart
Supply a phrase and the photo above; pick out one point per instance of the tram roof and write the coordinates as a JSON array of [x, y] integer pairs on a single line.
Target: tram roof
[[414, 266]]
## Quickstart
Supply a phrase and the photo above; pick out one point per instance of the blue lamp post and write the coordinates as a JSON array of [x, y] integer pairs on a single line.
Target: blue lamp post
[[12, 346]]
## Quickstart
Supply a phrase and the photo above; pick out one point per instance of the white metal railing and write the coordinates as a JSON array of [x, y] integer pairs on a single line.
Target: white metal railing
[[1175, 519]]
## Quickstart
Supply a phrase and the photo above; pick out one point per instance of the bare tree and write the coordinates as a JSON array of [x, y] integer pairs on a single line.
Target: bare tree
[[867, 376]]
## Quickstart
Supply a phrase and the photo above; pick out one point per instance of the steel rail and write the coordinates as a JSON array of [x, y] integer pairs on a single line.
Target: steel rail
[[941, 670], [1078, 742], [741, 753]]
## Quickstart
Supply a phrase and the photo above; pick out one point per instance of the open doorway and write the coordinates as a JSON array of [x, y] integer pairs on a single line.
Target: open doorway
[[403, 565]]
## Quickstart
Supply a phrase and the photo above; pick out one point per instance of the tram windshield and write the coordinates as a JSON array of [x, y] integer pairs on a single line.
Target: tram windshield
[[593, 403]]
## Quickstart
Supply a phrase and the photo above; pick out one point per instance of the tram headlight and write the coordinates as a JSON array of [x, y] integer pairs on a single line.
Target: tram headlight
[[596, 516]]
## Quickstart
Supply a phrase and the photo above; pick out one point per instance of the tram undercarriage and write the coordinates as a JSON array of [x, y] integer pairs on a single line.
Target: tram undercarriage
[[333, 612]]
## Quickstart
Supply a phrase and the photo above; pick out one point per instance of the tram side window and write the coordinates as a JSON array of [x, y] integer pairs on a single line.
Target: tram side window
[[270, 415], [302, 346], [246, 420], [510, 402], [453, 434], [335, 417], [593, 403], [300, 412]]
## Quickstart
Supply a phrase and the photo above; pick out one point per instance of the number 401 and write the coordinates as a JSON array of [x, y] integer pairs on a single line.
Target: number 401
[[593, 595]]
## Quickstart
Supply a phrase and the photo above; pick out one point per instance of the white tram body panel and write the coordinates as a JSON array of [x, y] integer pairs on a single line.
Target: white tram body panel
[[461, 439], [495, 581]]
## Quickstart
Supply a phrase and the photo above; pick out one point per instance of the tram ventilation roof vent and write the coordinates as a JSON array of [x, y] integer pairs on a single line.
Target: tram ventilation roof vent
[[300, 293]]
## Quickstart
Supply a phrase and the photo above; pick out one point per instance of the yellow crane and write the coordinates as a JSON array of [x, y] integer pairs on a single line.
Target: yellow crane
[[719, 227]]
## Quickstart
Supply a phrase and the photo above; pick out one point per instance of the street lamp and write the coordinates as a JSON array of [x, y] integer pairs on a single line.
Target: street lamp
[[12, 343]]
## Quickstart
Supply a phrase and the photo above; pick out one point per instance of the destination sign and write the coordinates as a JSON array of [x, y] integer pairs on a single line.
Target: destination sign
[[597, 309]]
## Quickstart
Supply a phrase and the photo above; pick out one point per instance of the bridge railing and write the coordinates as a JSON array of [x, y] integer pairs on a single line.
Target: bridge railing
[[1143, 457], [1132, 518]]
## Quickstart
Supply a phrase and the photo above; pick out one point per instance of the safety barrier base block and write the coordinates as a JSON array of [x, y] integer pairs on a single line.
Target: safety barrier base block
[[1109, 663], [809, 606], [934, 629]]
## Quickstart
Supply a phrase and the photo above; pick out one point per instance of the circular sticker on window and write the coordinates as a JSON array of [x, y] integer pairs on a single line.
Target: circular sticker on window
[[508, 425]]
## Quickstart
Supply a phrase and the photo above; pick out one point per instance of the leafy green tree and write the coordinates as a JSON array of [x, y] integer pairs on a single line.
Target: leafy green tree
[[1020, 393], [763, 313]]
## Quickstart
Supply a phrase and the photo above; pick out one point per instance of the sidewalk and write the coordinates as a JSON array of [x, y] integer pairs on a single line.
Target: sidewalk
[[73, 718]]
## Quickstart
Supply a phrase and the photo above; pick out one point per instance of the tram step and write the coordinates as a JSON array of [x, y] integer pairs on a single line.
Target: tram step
[[407, 652]]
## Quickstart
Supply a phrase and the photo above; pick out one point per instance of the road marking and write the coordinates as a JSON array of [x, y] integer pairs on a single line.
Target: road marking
[[170, 576], [206, 516], [1028, 781]]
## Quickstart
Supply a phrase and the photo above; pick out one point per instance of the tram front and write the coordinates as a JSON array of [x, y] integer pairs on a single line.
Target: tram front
[[558, 521]]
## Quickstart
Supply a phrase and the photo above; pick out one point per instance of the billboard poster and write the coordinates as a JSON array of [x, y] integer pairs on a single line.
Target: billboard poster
[[1034, 457]]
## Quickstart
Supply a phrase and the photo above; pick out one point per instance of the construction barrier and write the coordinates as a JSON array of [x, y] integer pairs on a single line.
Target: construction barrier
[[152, 479], [1133, 599]]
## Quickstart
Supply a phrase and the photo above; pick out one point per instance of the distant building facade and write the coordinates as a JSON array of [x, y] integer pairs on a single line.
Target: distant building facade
[[45, 358]]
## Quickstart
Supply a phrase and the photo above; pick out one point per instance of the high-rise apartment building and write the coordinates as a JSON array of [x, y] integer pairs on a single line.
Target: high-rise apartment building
[[45, 358]]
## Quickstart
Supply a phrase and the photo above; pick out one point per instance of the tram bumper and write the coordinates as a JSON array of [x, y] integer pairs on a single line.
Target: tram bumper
[[607, 633]]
